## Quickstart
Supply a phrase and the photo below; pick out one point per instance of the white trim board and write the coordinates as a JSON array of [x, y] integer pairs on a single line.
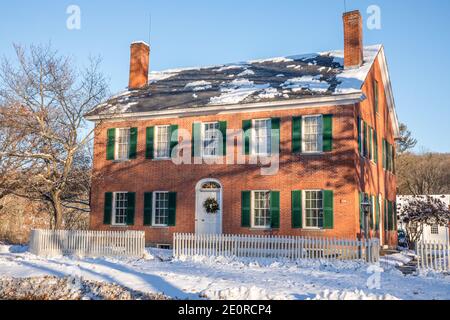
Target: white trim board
[[329, 101]]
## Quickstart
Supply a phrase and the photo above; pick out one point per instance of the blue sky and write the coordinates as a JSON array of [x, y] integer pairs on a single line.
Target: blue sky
[[416, 35]]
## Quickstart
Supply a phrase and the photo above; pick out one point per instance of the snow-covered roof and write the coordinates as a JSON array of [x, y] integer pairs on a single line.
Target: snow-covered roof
[[258, 81]]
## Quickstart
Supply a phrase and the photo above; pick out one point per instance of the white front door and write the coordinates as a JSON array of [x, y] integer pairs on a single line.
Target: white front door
[[208, 223]]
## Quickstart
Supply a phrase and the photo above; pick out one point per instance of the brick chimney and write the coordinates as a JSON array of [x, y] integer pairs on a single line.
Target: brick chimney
[[353, 39], [139, 62]]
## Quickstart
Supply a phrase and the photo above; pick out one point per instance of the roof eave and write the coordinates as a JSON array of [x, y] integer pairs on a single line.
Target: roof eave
[[389, 92], [332, 100]]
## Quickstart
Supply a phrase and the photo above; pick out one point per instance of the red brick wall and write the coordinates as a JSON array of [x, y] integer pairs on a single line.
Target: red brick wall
[[372, 178], [339, 171], [331, 171]]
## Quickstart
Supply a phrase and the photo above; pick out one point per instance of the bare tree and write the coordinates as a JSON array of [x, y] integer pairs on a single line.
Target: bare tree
[[423, 174], [421, 211], [43, 98]]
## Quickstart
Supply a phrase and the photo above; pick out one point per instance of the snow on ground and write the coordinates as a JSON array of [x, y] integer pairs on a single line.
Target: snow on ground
[[67, 288], [231, 278], [398, 259]]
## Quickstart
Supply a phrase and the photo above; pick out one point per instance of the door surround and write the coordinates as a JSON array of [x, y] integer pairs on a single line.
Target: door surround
[[198, 189]]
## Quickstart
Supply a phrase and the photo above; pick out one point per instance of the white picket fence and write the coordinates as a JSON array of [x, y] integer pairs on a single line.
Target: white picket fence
[[434, 255], [82, 243], [294, 248]]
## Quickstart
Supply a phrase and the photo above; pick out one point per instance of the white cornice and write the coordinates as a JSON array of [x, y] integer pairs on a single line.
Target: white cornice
[[389, 93], [314, 102]]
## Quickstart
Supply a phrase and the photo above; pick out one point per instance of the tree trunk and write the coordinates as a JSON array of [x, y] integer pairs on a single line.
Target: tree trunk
[[58, 210]]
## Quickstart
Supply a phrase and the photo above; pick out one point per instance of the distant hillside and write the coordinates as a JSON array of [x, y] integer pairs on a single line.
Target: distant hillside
[[427, 173]]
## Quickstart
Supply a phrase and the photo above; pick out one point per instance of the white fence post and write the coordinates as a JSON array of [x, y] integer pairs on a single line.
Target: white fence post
[[257, 246], [433, 255], [87, 243]]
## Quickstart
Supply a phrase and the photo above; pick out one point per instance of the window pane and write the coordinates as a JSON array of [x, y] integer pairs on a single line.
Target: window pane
[[434, 229], [162, 142], [122, 143], [161, 213], [312, 134], [121, 204], [261, 209], [314, 209], [262, 139], [211, 139]]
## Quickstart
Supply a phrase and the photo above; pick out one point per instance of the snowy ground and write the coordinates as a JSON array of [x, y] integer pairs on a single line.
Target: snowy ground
[[223, 278]]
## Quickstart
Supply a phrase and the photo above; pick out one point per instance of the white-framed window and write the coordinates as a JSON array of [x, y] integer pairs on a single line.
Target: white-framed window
[[312, 134], [261, 218], [160, 216], [313, 209], [162, 142], [122, 147], [262, 137], [120, 207], [435, 229], [210, 139]]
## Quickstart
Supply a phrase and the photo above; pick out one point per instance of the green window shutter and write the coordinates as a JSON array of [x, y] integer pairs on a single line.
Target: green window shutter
[[149, 142], [393, 159], [130, 208], [275, 136], [389, 204], [110, 144], [296, 209], [173, 138], [394, 212], [375, 144], [297, 135], [385, 215], [132, 153], [365, 151], [377, 213], [223, 130], [172, 209], [359, 136], [361, 211], [388, 148], [370, 143], [275, 209], [148, 208], [196, 139], [107, 214], [376, 97], [328, 214], [372, 207], [246, 127], [327, 133], [384, 153], [245, 209]]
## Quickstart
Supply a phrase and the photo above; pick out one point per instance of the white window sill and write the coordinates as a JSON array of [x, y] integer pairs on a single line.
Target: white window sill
[[158, 227], [313, 229], [119, 225], [261, 154], [162, 159], [260, 229], [318, 153], [121, 160]]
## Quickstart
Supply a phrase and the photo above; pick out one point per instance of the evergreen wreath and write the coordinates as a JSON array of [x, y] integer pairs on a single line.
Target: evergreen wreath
[[211, 206]]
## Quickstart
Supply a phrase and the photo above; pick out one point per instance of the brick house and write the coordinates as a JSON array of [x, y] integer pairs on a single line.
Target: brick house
[[326, 120]]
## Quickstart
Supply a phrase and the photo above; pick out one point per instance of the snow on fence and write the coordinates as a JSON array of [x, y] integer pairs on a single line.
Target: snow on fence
[[434, 255], [185, 244], [87, 243]]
